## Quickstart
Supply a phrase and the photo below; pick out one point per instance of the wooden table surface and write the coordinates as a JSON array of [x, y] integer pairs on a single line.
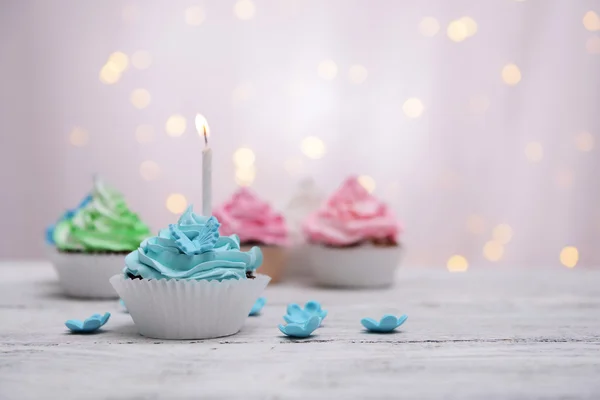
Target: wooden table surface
[[487, 334]]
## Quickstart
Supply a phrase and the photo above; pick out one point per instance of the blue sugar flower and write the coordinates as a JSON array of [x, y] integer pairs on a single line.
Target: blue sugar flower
[[295, 313], [90, 325], [387, 324], [301, 330], [260, 303]]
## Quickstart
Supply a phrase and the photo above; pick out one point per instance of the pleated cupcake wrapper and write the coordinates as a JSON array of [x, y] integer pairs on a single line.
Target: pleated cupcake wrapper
[[86, 275], [365, 266], [188, 309]]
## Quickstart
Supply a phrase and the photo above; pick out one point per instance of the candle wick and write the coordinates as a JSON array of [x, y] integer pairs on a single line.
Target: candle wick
[[205, 137]]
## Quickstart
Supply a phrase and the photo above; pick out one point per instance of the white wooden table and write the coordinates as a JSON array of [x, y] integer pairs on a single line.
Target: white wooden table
[[484, 334]]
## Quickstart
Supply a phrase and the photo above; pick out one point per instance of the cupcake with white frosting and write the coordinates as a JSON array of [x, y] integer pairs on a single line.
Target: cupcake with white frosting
[[189, 282], [353, 239]]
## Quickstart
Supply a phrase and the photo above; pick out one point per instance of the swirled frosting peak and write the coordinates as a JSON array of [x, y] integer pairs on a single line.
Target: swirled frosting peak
[[103, 224], [351, 215], [192, 249], [252, 219]]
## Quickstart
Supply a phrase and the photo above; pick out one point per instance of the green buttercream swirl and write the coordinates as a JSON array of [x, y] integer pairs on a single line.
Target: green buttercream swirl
[[105, 224]]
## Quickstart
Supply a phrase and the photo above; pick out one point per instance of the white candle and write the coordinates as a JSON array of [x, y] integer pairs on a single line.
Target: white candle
[[202, 127]]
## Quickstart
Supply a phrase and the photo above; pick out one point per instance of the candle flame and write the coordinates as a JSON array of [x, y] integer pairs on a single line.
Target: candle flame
[[202, 127]]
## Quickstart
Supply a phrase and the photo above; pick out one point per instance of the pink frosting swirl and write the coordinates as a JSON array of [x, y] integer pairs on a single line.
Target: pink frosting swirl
[[351, 215], [252, 219]]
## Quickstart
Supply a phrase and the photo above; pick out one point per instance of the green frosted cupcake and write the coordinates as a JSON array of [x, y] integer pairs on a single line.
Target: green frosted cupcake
[[91, 244]]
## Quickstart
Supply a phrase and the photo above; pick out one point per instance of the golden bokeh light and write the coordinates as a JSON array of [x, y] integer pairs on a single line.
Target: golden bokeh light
[[242, 93], [476, 224], [592, 46], [144, 133], [413, 107], [130, 13], [584, 141], [457, 31], [140, 98], [534, 152], [149, 170], [502, 233], [245, 176], [357, 74], [176, 125], [470, 25], [244, 9], [327, 69], [176, 203], [511, 74], [313, 147], [141, 59], [109, 74], [244, 157], [79, 137], [591, 21], [119, 60], [493, 250], [457, 263], [294, 166], [569, 256], [194, 15], [429, 26], [367, 182]]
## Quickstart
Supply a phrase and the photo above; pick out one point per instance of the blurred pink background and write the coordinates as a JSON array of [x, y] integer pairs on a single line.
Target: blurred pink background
[[476, 120]]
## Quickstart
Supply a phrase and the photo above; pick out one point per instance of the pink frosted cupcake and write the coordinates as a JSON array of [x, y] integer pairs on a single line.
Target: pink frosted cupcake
[[256, 224], [353, 239]]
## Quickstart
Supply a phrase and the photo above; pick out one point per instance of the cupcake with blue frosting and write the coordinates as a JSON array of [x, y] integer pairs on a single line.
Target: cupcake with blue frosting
[[90, 242], [189, 282]]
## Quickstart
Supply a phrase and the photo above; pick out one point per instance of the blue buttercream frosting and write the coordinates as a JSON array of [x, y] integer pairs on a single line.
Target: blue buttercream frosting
[[192, 249], [67, 215]]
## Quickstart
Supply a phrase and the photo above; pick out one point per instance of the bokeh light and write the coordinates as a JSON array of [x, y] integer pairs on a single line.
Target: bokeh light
[[357, 74], [313, 147], [534, 152], [79, 137], [413, 107], [327, 69], [176, 203], [194, 15], [109, 74], [493, 250], [176, 125], [502, 233], [457, 31], [144, 133], [245, 176], [569, 256], [244, 157], [511, 74], [140, 98], [429, 26], [244, 9], [591, 21], [119, 60], [141, 59], [584, 141], [149, 170], [367, 182], [457, 263], [470, 25]]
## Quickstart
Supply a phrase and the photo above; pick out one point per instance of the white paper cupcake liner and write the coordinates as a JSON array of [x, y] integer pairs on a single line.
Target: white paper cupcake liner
[[365, 266], [87, 275], [188, 309]]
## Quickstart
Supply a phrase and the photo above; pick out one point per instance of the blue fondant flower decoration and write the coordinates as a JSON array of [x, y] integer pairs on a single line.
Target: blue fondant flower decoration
[[123, 306], [258, 305], [302, 329], [90, 325], [193, 238], [387, 324], [296, 314]]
